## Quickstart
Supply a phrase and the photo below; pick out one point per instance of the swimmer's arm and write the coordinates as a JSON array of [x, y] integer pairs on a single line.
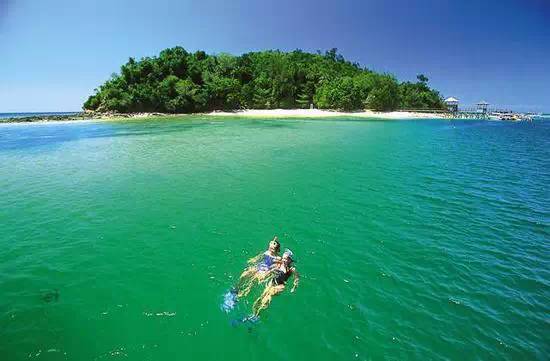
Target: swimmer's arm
[[277, 261], [296, 280], [255, 259]]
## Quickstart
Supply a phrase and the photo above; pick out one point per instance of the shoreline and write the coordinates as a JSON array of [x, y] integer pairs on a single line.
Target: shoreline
[[249, 113], [318, 113]]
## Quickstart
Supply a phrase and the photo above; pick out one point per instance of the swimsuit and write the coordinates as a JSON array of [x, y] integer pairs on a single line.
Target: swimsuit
[[266, 263], [281, 277]]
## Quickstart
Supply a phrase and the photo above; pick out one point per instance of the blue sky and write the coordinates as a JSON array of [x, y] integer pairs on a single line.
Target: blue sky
[[54, 53]]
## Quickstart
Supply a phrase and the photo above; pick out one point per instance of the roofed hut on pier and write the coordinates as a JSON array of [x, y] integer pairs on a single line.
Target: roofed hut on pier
[[482, 106], [452, 104]]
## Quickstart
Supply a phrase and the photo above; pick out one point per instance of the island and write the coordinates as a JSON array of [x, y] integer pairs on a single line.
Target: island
[[271, 83], [178, 81]]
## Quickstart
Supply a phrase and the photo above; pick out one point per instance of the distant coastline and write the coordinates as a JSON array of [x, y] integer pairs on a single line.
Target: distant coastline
[[10, 115], [35, 117]]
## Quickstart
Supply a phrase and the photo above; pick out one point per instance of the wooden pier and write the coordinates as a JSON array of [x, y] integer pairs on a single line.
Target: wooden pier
[[459, 114], [474, 113]]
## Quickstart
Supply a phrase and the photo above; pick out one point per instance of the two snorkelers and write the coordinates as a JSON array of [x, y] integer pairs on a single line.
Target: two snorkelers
[[269, 268], [258, 267], [276, 280]]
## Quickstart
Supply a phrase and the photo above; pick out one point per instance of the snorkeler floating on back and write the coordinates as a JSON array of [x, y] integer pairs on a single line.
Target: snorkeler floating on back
[[259, 267], [276, 280]]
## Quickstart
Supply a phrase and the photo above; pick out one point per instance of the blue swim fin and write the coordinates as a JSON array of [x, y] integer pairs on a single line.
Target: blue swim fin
[[230, 300]]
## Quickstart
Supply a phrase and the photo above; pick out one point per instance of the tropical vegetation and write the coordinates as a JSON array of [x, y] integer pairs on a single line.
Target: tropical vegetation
[[178, 81]]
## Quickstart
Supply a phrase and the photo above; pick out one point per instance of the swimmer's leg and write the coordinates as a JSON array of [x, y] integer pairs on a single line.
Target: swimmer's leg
[[257, 278], [263, 276], [246, 277], [247, 273], [265, 299], [247, 287]]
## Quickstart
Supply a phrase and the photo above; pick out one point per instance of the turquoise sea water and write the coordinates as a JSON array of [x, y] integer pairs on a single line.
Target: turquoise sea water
[[418, 240]]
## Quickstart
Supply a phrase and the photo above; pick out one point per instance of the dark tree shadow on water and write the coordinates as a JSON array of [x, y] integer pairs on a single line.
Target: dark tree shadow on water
[[15, 138]]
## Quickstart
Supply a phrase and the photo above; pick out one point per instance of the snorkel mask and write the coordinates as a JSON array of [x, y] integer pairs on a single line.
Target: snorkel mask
[[288, 253]]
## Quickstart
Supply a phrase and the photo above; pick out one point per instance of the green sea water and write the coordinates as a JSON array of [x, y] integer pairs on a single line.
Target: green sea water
[[415, 240]]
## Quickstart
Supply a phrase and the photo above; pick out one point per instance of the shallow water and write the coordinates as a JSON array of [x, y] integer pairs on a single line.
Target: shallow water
[[424, 240]]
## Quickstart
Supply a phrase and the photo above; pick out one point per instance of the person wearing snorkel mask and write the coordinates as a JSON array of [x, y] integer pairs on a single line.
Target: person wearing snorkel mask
[[277, 279], [259, 267]]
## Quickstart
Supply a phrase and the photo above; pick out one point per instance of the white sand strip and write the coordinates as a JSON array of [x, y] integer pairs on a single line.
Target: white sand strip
[[317, 113]]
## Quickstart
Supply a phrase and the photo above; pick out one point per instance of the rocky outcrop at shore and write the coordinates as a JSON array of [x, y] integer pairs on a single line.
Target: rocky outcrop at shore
[[86, 115]]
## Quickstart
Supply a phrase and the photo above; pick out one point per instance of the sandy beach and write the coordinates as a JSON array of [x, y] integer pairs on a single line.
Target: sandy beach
[[250, 113], [318, 113]]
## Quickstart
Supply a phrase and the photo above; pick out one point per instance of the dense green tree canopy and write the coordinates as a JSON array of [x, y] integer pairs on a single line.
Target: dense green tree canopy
[[181, 82]]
